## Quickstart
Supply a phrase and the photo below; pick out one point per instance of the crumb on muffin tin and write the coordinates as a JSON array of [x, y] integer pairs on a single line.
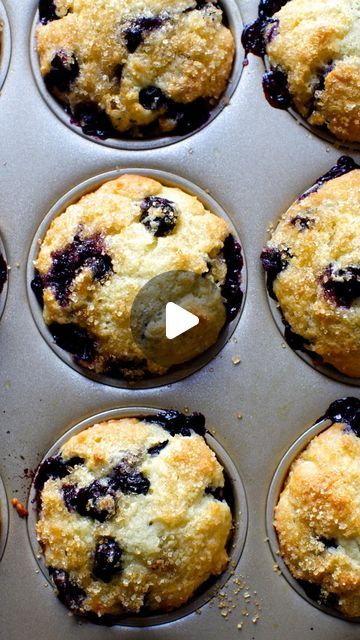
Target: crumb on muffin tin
[[120, 69], [132, 515]]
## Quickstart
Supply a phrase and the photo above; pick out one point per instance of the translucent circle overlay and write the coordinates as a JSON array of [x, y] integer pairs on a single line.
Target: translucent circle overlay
[[235, 544], [276, 486], [236, 26], [180, 372]]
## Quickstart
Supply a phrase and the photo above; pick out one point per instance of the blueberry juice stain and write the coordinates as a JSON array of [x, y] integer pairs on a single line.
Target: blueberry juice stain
[[255, 37]]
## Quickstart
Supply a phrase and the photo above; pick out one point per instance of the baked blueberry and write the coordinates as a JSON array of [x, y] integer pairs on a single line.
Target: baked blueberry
[[64, 69], [107, 559], [97, 500], [133, 526], [68, 591], [158, 215], [138, 29]]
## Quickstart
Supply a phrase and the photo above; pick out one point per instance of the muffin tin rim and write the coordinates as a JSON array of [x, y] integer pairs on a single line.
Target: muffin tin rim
[[4, 292], [5, 55], [236, 25], [240, 516], [73, 195], [274, 491], [4, 518]]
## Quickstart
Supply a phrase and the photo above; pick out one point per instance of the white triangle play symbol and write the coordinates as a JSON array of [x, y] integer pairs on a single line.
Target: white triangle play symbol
[[178, 320]]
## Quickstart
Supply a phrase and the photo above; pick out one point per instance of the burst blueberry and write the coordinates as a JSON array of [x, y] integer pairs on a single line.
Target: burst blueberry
[[107, 559], [69, 593], [97, 500], [274, 262], [158, 215], [64, 70], [157, 448], [152, 98], [344, 165], [346, 410], [276, 89], [68, 262], [75, 340], [231, 289], [138, 29], [341, 286]]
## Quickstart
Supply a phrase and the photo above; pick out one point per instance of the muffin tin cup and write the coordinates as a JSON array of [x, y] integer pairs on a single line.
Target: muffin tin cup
[[235, 545], [127, 143], [4, 518], [178, 372], [4, 292], [323, 368], [275, 490], [5, 54]]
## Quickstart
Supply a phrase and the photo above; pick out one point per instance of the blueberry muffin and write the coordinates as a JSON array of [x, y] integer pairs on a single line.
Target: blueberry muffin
[[313, 49], [132, 516], [152, 68], [312, 262], [99, 253], [317, 517]]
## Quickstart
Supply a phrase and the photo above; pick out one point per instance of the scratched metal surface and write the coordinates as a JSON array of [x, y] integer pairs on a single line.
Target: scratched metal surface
[[254, 161]]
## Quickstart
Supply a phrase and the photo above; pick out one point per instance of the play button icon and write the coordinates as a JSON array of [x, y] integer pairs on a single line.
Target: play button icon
[[178, 320], [177, 316]]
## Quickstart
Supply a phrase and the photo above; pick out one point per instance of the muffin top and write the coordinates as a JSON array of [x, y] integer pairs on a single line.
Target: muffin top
[[317, 518], [313, 269], [314, 51], [145, 68], [131, 515], [98, 254]]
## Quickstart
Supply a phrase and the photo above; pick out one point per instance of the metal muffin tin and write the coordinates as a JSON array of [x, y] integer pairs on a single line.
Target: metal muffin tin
[[255, 161]]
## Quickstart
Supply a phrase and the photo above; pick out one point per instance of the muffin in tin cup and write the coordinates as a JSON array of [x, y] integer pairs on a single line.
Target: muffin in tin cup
[[100, 254], [312, 54], [136, 517], [312, 264], [136, 76], [313, 512]]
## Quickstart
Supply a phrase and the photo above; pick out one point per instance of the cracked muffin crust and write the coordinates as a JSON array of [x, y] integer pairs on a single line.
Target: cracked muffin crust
[[314, 52], [317, 517], [148, 69], [98, 254], [131, 515], [312, 262]]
